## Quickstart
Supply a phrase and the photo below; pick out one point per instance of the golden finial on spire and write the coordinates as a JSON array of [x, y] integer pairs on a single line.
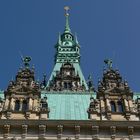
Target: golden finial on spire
[[66, 8]]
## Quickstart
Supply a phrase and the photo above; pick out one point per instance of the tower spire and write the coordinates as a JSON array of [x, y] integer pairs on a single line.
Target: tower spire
[[67, 28]]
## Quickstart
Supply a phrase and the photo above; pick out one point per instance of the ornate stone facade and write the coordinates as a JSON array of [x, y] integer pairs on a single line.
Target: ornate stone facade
[[23, 97], [114, 99], [26, 113], [66, 79]]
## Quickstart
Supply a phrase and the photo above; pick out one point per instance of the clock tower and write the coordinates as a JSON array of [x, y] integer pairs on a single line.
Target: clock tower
[[67, 50]]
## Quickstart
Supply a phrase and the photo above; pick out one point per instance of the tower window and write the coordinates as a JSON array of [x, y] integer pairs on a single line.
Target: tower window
[[120, 106], [17, 105], [113, 107]]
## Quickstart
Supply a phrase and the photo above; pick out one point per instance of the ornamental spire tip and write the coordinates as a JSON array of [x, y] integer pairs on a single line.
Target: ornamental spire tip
[[67, 28], [66, 8]]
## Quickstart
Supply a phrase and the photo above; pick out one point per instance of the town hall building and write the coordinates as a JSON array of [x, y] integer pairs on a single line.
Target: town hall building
[[67, 106]]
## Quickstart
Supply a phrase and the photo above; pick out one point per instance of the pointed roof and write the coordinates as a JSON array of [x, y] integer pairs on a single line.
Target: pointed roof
[[67, 50], [67, 27]]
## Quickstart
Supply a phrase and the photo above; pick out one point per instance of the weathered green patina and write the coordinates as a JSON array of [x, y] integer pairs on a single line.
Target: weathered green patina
[[1, 94], [69, 105]]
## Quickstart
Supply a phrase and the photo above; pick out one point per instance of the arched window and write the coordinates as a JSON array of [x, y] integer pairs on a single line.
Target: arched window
[[69, 85], [120, 106], [65, 85], [24, 105], [113, 107], [17, 105]]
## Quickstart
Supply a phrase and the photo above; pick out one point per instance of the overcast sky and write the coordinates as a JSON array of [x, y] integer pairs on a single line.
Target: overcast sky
[[105, 29]]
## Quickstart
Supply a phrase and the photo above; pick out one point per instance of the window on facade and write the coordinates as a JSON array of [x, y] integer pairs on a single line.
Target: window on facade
[[17, 105], [113, 107], [65, 85], [120, 106], [66, 36], [70, 37], [69, 85], [24, 105], [44, 105]]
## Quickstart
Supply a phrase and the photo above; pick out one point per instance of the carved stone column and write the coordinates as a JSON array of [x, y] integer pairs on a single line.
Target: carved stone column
[[12, 104], [1, 107], [108, 113], [21, 103], [6, 131], [59, 131], [35, 104], [6, 105], [126, 105], [130, 103], [113, 132], [77, 131], [127, 112], [30, 103], [130, 132], [24, 131], [42, 131], [95, 132], [102, 105], [116, 105], [108, 107]]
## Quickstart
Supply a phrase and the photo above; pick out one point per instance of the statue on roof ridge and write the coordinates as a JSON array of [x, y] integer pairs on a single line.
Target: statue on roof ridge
[[108, 62], [26, 61]]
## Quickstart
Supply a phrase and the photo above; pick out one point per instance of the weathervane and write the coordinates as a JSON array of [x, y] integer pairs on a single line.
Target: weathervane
[[66, 8], [67, 28]]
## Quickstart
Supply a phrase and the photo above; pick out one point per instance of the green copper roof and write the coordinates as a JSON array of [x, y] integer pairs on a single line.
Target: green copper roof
[[1, 94], [68, 106], [136, 95]]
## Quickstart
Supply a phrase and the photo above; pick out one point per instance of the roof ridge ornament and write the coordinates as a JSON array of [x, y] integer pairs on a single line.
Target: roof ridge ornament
[[67, 28], [108, 62], [26, 61], [76, 38]]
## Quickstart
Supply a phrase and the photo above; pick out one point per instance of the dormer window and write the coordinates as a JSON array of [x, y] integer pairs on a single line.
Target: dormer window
[[120, 106], [67, 36], [24, 105], [113, 107], [17, 105]]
